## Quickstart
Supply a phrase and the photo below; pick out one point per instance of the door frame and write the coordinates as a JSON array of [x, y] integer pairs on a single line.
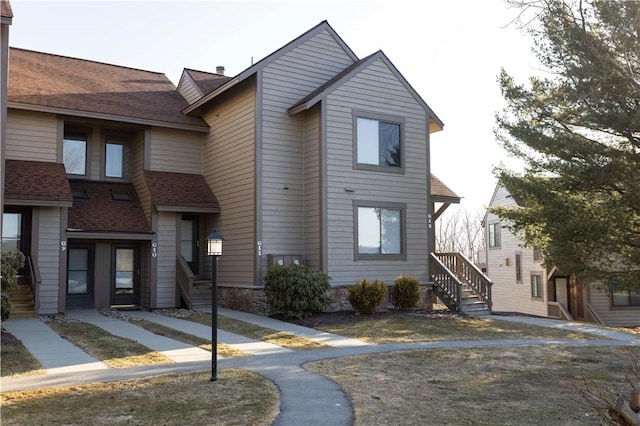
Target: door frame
[[133, 299], [82, 300]]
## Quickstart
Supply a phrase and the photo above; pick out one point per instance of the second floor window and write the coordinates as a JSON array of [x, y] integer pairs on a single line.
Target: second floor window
[[74, 154], [494, 235], [378, 145]]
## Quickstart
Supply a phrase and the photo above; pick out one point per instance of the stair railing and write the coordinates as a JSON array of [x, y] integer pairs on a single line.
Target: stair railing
[[447, 282], [468, 273], [35, 279], [184, 279]]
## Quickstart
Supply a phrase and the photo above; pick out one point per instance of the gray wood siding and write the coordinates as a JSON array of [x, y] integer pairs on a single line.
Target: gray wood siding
[[375, 90], [614, 316], [48, 252], [506, 293], [176, 151], [166, 260], [229, 168], [312, 192], [31, 136], [188, 90], [285, 81], [137, 175]]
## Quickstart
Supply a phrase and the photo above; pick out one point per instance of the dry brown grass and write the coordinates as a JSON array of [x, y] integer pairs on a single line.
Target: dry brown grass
[[16, 360], [404, 329], [263, 334], [112, 350], [223, 349], [487, 386], [237, 398]]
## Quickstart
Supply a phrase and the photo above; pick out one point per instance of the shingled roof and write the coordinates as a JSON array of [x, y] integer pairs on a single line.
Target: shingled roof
[[96, 210], [206, 81], [93, 89], [36, 183], [441, 192], [181, 192], [5, 9]]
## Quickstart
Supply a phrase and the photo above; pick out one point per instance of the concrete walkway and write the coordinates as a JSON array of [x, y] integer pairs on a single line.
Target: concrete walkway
[[305, 398]]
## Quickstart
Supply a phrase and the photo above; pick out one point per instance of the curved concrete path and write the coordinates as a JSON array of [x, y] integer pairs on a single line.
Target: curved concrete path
[[305, 397]]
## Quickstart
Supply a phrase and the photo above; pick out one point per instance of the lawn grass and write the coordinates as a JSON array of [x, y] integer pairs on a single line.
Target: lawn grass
[[257, 332], [425, 329], [534, 385], [224, 350], [112, 350], [237, 398], [16, 360]]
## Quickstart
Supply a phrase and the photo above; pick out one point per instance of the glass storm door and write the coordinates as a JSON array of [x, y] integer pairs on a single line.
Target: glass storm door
[[80, 276], [125, 275], [189, 242]]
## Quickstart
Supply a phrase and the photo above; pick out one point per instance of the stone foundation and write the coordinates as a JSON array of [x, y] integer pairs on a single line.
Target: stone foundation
[[254, 300]]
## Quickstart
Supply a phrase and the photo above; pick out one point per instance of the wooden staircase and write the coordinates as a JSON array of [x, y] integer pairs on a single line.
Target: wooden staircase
[[201, 294], [460, 285], [22, 302]]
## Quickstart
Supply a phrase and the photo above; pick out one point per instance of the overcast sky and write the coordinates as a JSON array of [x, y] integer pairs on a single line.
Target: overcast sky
[[450, 52]]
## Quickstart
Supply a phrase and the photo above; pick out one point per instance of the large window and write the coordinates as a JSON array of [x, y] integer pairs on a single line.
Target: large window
[[536, 286], [494, 235], [74, 154], [379, 231], [379, 144], [116, 159], [628, 297]]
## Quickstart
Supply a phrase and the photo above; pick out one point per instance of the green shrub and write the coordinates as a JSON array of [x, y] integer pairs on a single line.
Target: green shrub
[[405, 293], [365, 297], [12, 262], [296, 291]]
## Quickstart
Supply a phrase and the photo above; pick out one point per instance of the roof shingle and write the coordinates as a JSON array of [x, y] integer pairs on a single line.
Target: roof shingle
[[43, 79], [188, 192], [36, 183], [99, 212]]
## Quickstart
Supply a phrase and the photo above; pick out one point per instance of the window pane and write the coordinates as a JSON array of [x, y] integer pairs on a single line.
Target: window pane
[[11, 224], [77, 282], [389, 145], [620, 298], [74, 153], [114, 160], [78, 259], [367, 141], [391, 231], [368, 230]]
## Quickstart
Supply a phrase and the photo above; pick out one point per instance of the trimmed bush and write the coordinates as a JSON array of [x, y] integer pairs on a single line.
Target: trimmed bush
[[12, 262], [296, 291], [405, 293], [365, 297]]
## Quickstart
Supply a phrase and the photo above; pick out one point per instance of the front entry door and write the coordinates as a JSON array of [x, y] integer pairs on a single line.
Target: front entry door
[[80, 276], [125, 275], [189, 231]]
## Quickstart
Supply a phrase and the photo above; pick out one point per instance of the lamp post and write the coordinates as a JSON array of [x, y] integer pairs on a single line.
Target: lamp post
[[214, 249]]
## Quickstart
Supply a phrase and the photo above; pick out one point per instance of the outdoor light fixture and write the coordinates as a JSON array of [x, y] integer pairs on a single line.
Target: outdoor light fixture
[[214, 249]]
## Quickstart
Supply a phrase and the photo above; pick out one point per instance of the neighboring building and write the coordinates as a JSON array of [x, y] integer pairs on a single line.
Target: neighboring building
[[114, 178], [521, 282]]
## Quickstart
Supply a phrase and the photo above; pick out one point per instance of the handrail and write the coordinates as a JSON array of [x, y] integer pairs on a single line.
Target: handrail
[[563, 311], [36, 281], [594, 314], [184, 279], [447, 281], [469, 273]]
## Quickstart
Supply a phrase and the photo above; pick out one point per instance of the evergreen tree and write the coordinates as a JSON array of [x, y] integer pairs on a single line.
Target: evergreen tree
[[577, 129]]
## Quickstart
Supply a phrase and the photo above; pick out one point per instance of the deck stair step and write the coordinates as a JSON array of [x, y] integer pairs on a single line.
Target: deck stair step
[[22, 302]]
